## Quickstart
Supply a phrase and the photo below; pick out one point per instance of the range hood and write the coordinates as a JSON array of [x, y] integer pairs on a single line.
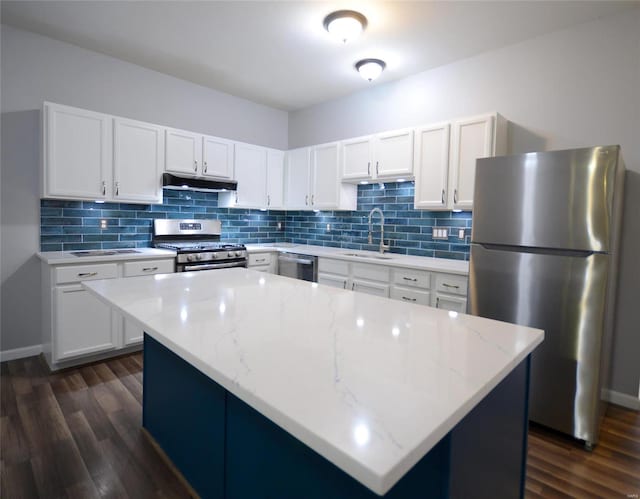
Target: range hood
[[170, 181]]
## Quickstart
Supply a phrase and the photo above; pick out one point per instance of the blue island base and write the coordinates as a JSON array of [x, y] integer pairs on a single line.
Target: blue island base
[[226, 449]]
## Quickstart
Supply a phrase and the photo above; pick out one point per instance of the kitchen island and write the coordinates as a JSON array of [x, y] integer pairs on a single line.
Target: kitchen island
[[257, 385]]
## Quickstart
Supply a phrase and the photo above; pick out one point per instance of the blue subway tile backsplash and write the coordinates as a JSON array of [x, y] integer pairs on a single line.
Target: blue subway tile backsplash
[[73, 225]]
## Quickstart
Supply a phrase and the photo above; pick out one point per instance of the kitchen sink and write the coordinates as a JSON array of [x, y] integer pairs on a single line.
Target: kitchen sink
[[104, 252], [360, 255]]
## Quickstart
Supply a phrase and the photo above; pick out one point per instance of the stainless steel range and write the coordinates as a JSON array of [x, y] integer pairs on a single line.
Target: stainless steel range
[[198, 245]]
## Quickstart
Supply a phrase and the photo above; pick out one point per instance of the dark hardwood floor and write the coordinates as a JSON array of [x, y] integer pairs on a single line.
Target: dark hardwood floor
[[77, 434]]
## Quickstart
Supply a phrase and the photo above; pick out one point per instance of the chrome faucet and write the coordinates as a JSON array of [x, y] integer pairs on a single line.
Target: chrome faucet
[[383, 247]]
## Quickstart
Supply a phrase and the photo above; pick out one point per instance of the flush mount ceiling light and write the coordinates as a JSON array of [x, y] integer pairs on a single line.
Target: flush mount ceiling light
[[345, 25], [370, 69]]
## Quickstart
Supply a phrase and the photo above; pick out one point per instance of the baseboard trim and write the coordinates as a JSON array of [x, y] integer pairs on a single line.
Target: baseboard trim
[[628, 401], [20, 353]]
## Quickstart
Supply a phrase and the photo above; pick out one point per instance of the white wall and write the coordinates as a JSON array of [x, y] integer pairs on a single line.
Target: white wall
[[35, 69], [575, 87]]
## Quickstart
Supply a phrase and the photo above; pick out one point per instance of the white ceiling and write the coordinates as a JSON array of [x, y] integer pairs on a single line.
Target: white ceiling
[[277, 53]]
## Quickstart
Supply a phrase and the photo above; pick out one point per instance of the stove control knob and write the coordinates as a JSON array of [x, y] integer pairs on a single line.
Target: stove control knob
[[190, 258], [198, 256], [238, 253], [216, 255], [230, 254]]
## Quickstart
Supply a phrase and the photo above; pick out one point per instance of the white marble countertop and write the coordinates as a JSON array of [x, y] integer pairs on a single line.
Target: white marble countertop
[[391, 259], [64, 257], [369, 383]]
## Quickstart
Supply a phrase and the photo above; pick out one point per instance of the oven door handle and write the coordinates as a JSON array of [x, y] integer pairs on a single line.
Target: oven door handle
[[214, 266]]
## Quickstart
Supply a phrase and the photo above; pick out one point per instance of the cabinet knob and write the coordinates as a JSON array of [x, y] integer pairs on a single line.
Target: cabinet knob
[[205, 166], [195, 165]]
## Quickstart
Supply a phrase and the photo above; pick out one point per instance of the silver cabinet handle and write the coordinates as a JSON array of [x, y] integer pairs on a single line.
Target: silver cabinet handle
[[377, 168], [449, 285], [369, 168], [87, 274], [344, 284], [455, 196], [195, 165], [74, 291], [313, 199], [353, 286], [442, 196], [410, 279], [236, 197], [104, 188], [268, 200], [205, 166], [149, 269], [117, 188], [406, 298], [260, 260], [306, 200], [437, 302]]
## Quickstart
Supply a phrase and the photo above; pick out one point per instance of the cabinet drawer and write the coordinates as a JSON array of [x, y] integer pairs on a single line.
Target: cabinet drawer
[[412, 277], [371, 272], [76, 273], [339, 267], [452, 284], [147, 267], [411, 295], [259, 259]]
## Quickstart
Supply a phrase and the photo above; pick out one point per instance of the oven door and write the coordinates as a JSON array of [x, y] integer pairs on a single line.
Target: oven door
[[190, 267]]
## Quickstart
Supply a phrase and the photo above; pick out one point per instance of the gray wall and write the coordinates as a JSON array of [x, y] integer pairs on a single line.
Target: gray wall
[[575, 87], [35, 69]]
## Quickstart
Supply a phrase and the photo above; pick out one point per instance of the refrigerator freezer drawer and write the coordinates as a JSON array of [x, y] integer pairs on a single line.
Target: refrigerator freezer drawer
[[566, 297]]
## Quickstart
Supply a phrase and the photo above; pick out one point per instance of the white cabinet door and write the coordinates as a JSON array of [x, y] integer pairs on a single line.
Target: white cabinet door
[[370, 288], [431, 166], [83, 324], [251, 174], [325, 192], [275, 179], [356, 158], [472, 139], [184, 152], [393, 153], [448, 302], [133, 334], [138, 159], [297, 186], [217, 157], [77, 156], [335, 281]]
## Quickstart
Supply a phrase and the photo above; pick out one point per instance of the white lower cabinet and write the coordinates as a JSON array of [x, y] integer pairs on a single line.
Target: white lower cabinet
[[84, 325], [77, 326], [422, 287], [263, 262]]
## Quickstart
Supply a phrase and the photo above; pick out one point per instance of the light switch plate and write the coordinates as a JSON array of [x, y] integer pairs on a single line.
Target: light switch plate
[[439, 233]]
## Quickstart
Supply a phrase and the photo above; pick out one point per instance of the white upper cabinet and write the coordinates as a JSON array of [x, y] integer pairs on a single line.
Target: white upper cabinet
[[275, 179], [217, 157], [325, 178], [138, 159], [184, 152], [393, 153], [431, 166], [356, 158], [297, 179], [472, 138], [313, 180], [77, 152], [445, 159], [384, 156], [251, 174]]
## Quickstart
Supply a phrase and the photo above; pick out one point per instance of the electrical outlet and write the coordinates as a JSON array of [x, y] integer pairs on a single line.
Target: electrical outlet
[[460, 233], [328, 227], [279, 226], [103, 223], [439, 233]]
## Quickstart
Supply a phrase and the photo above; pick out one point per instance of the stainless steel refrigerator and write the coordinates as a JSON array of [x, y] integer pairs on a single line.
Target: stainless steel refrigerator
[[544, 254]]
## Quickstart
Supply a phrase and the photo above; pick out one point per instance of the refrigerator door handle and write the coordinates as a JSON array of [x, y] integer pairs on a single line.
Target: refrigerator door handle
[[538, 251]]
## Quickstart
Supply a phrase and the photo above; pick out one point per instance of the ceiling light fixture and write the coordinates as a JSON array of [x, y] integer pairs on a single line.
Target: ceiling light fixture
[[345, 25], [370, 69]]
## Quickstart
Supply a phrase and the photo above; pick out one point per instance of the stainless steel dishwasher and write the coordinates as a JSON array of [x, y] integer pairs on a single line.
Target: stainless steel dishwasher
[[298, 266]]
